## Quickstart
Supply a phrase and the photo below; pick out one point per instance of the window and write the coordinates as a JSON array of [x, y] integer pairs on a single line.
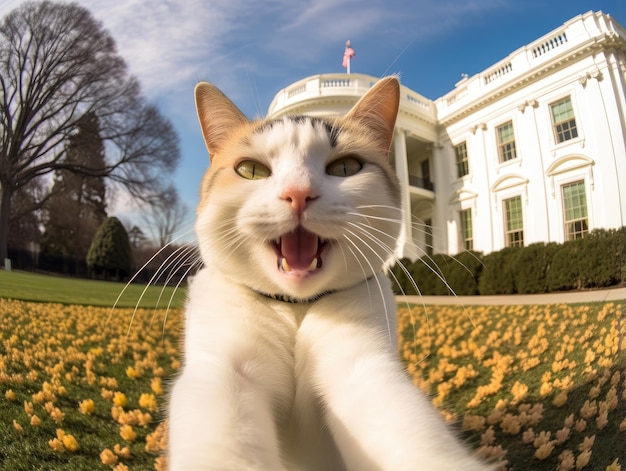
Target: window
[[575, 210], [467, 234], [563, 120], [506, 142], [462, 162], [513, 222]]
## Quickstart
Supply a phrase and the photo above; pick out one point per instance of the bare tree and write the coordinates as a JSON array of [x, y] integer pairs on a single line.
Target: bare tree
[[167, 213], [57, 64]]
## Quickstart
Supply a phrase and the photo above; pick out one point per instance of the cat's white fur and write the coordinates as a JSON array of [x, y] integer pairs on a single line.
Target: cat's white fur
[[310, 386]]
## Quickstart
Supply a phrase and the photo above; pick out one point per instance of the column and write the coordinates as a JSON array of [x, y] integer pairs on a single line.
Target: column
[[405, 239]]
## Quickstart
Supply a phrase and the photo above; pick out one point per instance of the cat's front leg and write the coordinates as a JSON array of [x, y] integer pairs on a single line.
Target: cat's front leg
[[378, 418], [225, 408]]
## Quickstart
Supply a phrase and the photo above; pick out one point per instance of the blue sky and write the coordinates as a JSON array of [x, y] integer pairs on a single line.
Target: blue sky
[[252, 49]]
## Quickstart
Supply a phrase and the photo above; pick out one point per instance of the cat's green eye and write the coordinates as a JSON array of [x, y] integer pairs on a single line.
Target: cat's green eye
[[252, 170], [344, 167]]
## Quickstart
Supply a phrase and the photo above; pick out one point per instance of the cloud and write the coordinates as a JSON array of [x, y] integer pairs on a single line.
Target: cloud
[[170, 45]]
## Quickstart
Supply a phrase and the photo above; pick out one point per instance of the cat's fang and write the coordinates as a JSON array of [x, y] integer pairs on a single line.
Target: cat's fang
[[313, 265], [284, 265]]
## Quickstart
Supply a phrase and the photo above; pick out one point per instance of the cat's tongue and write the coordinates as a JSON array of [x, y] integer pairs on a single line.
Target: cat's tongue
[[299, 250]]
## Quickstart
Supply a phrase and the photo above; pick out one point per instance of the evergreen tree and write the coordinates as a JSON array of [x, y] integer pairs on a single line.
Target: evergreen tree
[[110, 253], [77, 205]]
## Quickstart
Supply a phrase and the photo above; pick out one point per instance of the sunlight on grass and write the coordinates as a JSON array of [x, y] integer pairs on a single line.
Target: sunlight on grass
[[78, 393], [36, 287], [541, 387]]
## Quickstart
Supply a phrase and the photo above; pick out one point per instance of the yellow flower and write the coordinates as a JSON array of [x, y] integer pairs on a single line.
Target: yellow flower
[[528, 436], [583, 459], [56, 445], [602, 420], [132, 373], [119, 399], [9, 395], [127, 433], [566, 461], [160, 464], [587, 443], [510, 424], [473, 422], [519, 391], [562, 435], [70, 443], [589, 409], [544, 450], [560, 399], [155, 385], [87, 406], [35, 421], [487, 438], [57, 415], [157, 440], [28, 408], [108, 457], [17, 426], [124, 452], [148, 401], [614, 466]]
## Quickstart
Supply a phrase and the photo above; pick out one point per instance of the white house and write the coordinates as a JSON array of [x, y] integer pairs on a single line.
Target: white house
[[533, 149]]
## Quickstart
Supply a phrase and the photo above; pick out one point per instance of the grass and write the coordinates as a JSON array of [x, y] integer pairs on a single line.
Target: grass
[[43, 288], [541, 387], [89, 373]]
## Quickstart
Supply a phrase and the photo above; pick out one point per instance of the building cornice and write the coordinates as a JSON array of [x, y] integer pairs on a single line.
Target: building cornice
[[451, 107]]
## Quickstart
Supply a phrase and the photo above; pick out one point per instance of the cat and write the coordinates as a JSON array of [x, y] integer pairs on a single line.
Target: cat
[[290, 356]]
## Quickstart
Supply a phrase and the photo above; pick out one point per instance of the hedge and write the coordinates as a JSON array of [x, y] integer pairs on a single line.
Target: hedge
[[596, 261]]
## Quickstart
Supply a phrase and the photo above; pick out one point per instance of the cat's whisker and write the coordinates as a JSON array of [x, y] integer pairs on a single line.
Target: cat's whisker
[[355, 257], [391, 342], [153, 279], [365, 230], [185, 253], [437, 273], [197, 262], [134, 277]]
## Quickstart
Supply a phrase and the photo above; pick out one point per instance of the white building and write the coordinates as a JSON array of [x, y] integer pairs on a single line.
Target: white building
[[533, 149]]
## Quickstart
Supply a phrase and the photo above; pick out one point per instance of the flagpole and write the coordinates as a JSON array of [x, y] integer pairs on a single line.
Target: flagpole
[[347, 56]]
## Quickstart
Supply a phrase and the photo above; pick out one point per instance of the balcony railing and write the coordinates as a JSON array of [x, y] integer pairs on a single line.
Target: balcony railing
[[420, 182]]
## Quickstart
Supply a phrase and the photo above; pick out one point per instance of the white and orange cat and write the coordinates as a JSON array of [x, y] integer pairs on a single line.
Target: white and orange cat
[[291, 361]]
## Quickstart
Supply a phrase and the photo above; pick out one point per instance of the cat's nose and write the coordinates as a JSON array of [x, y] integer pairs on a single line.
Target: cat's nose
[[299, 198]]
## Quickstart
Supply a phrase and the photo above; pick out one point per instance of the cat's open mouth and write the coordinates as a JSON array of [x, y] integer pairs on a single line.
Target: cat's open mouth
[[299, 252]]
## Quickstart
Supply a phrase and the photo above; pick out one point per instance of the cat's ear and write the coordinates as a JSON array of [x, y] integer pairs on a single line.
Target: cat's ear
[[378, 109], [217, 114]]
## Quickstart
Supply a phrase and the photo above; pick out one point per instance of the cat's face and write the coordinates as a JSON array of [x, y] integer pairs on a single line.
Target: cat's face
[[298, 205]]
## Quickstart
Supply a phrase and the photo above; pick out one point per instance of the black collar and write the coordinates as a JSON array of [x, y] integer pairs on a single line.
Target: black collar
[[285, 298]]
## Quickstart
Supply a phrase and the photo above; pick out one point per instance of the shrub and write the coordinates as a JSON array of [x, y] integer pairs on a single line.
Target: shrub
[[498, 273], [463, 271], [400, 280], [599, 263], [110, 253], [530, 267], [564, 273]]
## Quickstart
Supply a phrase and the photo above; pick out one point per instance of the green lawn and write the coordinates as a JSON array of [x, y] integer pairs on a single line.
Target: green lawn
[[44, 288]]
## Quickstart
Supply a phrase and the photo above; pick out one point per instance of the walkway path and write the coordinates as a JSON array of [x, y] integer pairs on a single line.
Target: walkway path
[[615, 294]]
